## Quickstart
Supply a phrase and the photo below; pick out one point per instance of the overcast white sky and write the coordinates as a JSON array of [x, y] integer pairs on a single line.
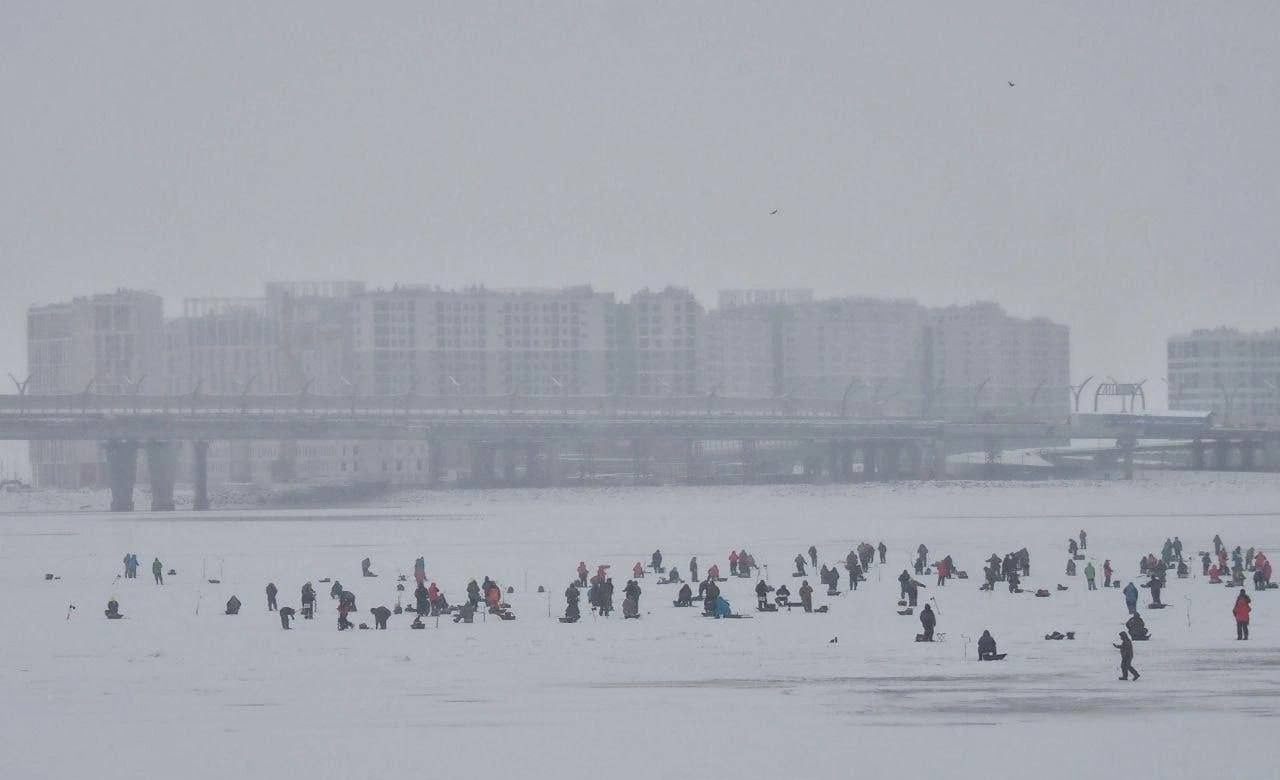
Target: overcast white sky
[[1127, 185]]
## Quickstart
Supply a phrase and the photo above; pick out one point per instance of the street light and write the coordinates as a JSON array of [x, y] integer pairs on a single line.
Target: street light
[[1077, 390]]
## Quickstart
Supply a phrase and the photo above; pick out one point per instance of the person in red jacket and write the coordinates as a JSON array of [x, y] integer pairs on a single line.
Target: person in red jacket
[[1241, 611], [1215, 575], [943, 571], [714, 572], [582, 573], [637, 571], [1106, 573], [733, 562]]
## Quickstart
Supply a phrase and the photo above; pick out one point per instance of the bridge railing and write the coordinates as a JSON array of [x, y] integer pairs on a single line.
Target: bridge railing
[[421, 405]]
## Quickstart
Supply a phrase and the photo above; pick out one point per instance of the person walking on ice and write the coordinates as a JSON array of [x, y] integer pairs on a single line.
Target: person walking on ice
[[157, 571], [1126, 657]]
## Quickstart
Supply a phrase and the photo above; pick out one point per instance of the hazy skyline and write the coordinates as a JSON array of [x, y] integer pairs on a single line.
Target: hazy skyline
[[1124, 186]]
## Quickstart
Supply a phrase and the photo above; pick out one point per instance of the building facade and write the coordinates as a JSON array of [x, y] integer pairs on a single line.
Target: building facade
[[1234, 374]]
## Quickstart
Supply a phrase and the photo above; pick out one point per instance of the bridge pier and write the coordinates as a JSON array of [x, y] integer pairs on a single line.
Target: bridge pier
[[122, 470], [483, 463], [641, 454], [892, 460], [940, 459], [1248, 450], [915, 460], [1197, 455], [509, 464], [695, 469], [749, 464], [200, 475], [870, 454], [435, 462], [162, 471], [1221, 454]]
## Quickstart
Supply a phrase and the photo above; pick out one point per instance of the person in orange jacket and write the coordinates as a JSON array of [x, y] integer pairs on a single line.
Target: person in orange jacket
[[637, 571], [1241, 612]]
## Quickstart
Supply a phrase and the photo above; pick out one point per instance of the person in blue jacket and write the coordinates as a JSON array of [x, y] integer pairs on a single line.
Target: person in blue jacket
[[722, 608], [1131, 598]]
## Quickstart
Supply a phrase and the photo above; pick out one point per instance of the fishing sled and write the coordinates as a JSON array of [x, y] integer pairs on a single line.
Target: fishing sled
[[996, 657]]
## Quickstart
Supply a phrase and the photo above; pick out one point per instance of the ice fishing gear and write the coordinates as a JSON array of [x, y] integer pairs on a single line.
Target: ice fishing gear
[[70, 608]]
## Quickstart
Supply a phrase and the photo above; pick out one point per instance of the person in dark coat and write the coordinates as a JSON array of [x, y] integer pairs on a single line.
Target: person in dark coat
[[904, 580], [233, 606], [882, 550], [685, 597], [365, 570], [806, 596], [1131, 597], [813, 555], [632, 591], [380, 615], [271, 597], [1156, 584], [473, 593], [710, 595], [308, 601], [606, 597], [286, 614], [693, 569], [1137, 627], [927, 621], [1084, 540], [1126, 657], [571, 597], [986, 647], [422, 599], [336, 590], [656, 561], [157, 571], [1205, 562], [855, 574], [762, 594], [113, 610], [800, 566]]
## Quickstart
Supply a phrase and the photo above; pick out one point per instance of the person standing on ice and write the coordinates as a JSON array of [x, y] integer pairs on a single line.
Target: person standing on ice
[[1084, 540], [1241, 612], [632, 591], [420, 570], [813, 555], [882, 550], [421, 600], [762, 595], [271, 596], [336, 590], [806, 596], [365, 568], [800, 565], [1205, 563], [1089, 574], [1126, 657], [1177, 548], [157, 570], [1106, 573], [904, 582], [308, 601], [1131, 598], [927, 621], [1072, 547], [571, 596], [656, 560], [128, 568], [733, 563], [582, 574], [693, 569]]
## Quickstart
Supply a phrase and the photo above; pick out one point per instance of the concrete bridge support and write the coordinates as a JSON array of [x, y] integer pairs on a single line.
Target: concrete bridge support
[[915, 460], [200, 475], [435, 461], [892, 460], [1248, 455], [696, 463], [750, 467], [1221, 454], [122, 470], [484, 464], [162, 472], [870, 461], [939, 459], [1197, 455]]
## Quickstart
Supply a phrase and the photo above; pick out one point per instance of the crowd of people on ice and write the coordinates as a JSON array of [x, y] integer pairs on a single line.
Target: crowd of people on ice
[[1221, 567]]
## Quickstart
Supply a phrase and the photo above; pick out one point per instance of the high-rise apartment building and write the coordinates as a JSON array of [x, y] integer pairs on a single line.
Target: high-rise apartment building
[[1234, 374], [110, 343]]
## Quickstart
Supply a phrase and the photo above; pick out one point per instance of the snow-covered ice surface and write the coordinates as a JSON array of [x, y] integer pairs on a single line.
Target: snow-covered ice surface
[[175, 694]]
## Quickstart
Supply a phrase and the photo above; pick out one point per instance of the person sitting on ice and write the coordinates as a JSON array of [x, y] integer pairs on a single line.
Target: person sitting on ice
[[673, 576], [782, 597], [1071, 567], [365, 571], [286, 614], [685, 597], [927, 622], [637, 571], [714, 571], [1136, 627], [1183, 571], [571, 596], [721, 608], [113, 610], [986, 647], [233, 606], [632, 591], [1259, 581], [1215, 575], [630, 608]]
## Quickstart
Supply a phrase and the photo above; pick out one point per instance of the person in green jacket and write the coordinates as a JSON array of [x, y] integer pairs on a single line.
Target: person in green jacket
[[156, 571], [1089, 573]]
